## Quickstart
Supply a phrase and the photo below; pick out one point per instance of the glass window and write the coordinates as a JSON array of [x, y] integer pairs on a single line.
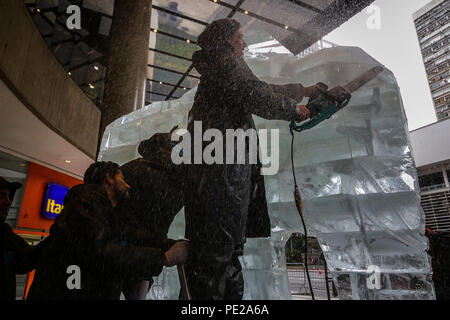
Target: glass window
[[203, 10], [431, 181]]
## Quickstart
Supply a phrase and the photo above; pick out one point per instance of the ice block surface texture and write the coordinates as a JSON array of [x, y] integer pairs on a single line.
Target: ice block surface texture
[[355, 171]]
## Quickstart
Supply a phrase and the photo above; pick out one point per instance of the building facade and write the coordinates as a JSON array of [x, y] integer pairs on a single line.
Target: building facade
[[431, 149], [433, 30]]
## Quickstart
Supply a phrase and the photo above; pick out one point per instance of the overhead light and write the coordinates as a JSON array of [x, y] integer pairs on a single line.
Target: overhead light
[[246, 12], [38, 10], [155, 31], [188, 41], [68, 161], [215, 1], [160, 82], [91, 86], [70, 73], [286, 27], [96, 68]]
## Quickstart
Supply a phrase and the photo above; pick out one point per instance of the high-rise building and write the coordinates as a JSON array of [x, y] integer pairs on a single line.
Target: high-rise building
[[432, 26]]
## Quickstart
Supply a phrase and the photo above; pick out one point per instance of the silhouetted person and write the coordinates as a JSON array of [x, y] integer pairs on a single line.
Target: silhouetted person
[[156, 196], [15, 252], [88, 234], [220, 197], [440, 262]]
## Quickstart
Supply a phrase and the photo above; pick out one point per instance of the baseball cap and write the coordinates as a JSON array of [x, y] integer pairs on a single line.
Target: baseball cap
[[11, 186]]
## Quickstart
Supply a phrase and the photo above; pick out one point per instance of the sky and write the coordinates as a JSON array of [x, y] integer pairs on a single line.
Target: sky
[[395, 45]]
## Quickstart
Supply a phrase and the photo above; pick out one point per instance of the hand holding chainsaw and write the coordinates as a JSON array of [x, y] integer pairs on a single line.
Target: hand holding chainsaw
[[312, 92], [322, 105], [337, 94]]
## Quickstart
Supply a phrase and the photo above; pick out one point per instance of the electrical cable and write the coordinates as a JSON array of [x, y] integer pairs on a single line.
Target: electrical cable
[[326, 277], [300, 211]]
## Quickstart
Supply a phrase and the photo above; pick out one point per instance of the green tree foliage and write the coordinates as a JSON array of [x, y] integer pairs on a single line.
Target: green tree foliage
[[295, 248]]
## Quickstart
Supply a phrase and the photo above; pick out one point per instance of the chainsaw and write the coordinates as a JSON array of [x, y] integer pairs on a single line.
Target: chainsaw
[[323, 106]]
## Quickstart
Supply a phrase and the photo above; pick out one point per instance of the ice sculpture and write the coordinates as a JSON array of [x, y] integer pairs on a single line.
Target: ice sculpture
[[355, 171]]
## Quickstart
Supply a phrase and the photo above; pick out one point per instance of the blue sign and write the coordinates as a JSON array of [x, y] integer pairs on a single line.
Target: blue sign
[[54, 200]]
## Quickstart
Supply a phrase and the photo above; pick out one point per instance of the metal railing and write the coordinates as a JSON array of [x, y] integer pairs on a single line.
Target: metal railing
[[298, 281]]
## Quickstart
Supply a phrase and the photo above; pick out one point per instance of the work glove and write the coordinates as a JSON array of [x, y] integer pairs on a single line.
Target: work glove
[[429, 232], [339, 94], [177, 254], [303, 113]]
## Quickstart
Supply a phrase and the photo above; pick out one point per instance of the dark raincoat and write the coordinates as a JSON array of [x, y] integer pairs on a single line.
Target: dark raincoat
[[218, 196], [220, 199], [89, 234], [156, 196], [155, 199]]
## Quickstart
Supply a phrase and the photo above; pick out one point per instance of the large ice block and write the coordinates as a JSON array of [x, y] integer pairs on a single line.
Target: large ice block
[[357, 177], [356, 173]]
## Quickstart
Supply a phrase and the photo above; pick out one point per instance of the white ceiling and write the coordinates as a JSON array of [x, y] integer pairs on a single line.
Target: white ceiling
[[23, 135]]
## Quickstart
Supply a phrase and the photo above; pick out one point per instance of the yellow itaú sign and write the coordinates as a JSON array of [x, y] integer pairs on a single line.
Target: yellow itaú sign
[[53, 207], [54, 200]]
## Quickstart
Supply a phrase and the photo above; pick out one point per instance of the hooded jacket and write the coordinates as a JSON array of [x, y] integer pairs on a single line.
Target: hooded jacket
[[221, 198], [156, 196]]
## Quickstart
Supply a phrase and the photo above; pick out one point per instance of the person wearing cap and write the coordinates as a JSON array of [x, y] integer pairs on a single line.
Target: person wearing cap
[[13, 249], [88, 236], [156, 197], [225, 203]]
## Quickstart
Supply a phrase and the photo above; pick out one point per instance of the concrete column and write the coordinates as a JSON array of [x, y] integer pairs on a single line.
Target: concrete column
[[127, 60]]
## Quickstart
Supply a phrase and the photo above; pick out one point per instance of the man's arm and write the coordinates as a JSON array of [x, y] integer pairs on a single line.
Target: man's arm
[[272, 101], [146, 239], [137, 262], [297, 91], [21, 250], [93, 239]]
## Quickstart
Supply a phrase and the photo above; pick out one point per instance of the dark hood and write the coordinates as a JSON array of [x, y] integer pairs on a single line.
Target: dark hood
[[217, 63], [214, 41], [216, 35]]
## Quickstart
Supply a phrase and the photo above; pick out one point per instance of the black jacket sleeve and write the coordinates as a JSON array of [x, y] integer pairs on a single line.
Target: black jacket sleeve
[[267, 101], [294, 91], [22, 252], [140, 237], [92, 238], [137, 262]]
